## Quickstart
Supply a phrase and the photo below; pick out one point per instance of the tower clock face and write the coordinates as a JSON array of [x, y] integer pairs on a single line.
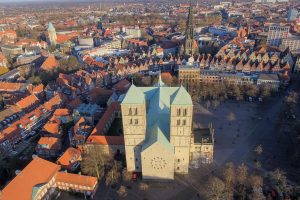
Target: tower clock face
[[158, 163]]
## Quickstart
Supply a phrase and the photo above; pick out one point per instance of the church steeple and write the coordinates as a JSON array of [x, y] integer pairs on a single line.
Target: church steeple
[[189, 33], [52, 34]]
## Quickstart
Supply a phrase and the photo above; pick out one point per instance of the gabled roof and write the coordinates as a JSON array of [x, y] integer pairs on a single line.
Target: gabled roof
[[50, 63], [134, 96], [71, 155], [38, 171], [76, 179], [27, 102], [181, 97]]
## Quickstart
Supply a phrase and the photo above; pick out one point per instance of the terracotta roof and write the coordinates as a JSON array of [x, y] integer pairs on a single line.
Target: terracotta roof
[[71, 155], [99, 129], [56, 100], [38, 89], [50, 63], [98, 92], [166, 75], [52, 128], [49, 142], [28, 102], [76, 179], [61, 112], [122, 85], [106, 140], [11, 87], [64, 38], [38, 171]]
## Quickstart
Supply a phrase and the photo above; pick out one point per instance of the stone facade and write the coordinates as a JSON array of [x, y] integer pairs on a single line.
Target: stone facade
[[157, 123]]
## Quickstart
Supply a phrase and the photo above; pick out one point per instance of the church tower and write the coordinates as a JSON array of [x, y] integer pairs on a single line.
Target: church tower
[[181, 120], [52, 34], [134, 126], [189, 34]]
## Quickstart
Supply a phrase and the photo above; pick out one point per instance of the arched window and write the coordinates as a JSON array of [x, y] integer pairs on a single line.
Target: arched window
[[130, 111]]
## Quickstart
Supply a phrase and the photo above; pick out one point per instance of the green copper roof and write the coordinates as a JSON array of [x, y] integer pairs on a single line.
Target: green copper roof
[[157, 136], [50, 26], [36, 189], [134, 96], [158, 102], [160, 83], [181, 97]]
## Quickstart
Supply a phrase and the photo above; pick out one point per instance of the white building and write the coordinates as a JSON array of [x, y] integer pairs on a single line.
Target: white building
[[135, 32]]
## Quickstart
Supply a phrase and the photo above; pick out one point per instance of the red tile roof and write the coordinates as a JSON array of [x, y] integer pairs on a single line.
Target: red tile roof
[[76, 179], [71, 155], [50, 143], [61, 112], [28, 102], [106, 140], [38, 89], [50, 63], [98, 136], [52, 128], [122, 85], [11, 87], [38, 171]]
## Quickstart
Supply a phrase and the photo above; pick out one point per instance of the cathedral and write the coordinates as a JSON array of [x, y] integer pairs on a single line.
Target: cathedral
[[157, 123]]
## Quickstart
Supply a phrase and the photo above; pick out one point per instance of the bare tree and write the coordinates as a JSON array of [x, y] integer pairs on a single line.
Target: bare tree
[[242, 174], [215, 103], [241, 178], [256, 183], [114, 174], [93, 161], [122, 192], [229, 177], [278, 179], [126, 175], [231, 117], [144, 186], [215, 189], [258, 150]]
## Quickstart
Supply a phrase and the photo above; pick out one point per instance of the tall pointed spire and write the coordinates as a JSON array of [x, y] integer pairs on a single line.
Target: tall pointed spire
[[189, 33], [160, 83]]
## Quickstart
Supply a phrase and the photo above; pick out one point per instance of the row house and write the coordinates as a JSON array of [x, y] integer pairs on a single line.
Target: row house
[[19, 130], [45, 181], [260, 56]]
